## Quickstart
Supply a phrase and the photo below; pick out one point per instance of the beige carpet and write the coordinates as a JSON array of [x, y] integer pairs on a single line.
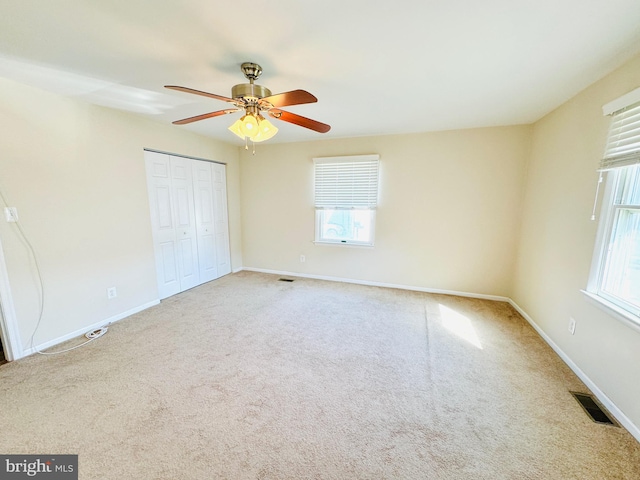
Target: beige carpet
[[248, 377]]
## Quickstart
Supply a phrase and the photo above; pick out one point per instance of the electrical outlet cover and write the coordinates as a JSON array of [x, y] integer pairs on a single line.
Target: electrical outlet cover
[[11, 214]]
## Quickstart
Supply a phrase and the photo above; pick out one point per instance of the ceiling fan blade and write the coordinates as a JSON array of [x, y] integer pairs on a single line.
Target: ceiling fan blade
[[299, 120], [198, 92], [204, 116], [294, 97]]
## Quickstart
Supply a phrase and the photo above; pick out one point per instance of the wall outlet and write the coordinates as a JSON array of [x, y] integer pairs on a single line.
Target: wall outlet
[[11, 214], [572, 325], [112, 293], [303, 259]]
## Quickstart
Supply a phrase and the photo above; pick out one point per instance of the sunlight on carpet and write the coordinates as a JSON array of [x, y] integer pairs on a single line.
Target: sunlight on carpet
[[459, 325]]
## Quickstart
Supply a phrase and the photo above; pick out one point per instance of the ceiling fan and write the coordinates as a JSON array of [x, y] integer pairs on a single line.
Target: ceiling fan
[[255, 99]]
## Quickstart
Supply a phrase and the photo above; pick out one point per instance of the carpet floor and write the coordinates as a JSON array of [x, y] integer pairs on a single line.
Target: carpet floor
[[248, 377]]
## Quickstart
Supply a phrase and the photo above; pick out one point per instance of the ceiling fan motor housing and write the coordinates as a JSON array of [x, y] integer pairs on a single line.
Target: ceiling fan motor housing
[[249, 91]]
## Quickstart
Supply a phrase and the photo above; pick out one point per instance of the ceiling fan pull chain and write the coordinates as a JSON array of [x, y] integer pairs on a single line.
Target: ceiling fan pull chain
[[246, 145], [254, 147]]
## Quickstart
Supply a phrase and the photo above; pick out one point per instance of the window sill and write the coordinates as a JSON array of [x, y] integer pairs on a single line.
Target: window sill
[[613, 310], [342, 244]]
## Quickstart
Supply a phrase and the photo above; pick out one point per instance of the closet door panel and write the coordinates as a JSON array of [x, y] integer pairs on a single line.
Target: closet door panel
[[221, 219], [205, 226], [182, 193], [168, 262], [163, 228]]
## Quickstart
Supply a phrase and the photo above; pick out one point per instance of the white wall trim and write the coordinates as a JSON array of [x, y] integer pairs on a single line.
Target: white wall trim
[[606, 401], [9, 320], [379, 284], [83, 330]]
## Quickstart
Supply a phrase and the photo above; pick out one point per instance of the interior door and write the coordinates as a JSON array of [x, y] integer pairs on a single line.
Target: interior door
[[205, 225], [162, 224], [184, 211]]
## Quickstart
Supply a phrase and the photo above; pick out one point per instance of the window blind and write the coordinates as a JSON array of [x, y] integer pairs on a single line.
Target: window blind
[[623, 143], [346, 182]]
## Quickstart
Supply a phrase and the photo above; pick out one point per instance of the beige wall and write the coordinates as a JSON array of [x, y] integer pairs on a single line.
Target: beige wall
[[76, 174], [557, 241], [448, 212]]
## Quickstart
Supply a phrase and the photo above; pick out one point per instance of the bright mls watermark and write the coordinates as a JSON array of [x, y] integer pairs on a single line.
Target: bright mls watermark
[[51, 467]]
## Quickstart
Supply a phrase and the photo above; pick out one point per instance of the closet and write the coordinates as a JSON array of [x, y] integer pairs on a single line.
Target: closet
[[189, 220]]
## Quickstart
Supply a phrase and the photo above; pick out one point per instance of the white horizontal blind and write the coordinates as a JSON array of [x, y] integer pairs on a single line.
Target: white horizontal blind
[[623, 144], [346, 182]]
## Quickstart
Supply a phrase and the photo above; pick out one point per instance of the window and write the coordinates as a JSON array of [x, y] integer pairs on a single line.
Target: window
[[616, 273], [620, 278], [346, 197]]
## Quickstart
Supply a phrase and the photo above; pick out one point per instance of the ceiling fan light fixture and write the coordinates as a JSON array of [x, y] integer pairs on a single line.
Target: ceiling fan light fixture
[[235, 128], [249, 125], [253, 99], [266, 130]]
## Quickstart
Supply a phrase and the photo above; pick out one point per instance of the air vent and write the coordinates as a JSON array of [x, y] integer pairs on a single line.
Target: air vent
[[285, 280], [593, 409]]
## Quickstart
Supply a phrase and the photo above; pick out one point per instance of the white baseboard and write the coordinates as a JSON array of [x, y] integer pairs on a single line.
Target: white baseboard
[[600, 395], [379, 284], [83, 330]]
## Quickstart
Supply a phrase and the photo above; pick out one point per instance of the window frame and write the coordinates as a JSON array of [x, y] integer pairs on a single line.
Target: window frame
[[613, 166], [607, 224], [319, 238]]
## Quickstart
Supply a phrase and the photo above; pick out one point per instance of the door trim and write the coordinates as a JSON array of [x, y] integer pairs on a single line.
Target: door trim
[[8, 320], [183, 156]]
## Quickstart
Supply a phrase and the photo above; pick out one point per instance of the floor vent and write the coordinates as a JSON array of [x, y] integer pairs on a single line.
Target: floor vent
[[593, 409], [285, 280]]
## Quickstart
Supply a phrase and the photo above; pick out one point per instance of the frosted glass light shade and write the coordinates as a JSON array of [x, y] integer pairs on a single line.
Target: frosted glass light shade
[[235, 128], [249, 125], [266, 130]]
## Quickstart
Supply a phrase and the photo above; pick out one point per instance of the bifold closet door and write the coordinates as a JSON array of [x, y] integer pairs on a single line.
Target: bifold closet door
[[205, 224], [221, 218], [185, 222], [188, 203], [162, 224], [173, 222]]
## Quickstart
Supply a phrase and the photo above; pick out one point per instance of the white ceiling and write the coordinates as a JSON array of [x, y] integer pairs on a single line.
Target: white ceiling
[[376, 67]]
